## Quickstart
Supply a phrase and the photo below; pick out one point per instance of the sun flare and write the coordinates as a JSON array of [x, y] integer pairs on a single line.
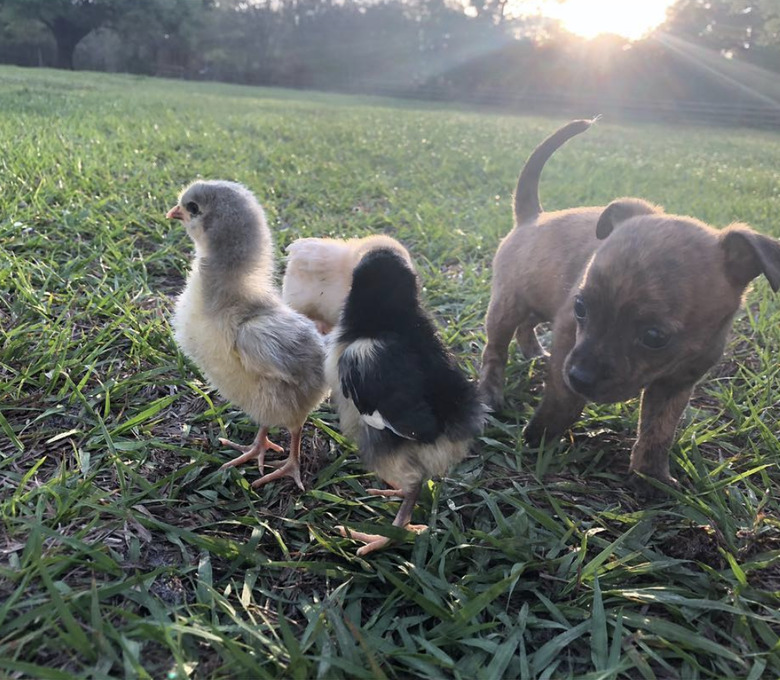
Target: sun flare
[[631, 19]]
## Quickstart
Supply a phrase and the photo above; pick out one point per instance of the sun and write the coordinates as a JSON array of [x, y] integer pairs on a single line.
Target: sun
[[632, 19]]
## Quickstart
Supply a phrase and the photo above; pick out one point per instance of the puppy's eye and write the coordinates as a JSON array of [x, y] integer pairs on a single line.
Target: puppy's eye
[[192, 208], [580, 310], [654, 338]]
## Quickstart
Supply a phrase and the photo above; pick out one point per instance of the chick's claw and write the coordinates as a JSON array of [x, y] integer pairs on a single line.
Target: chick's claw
[[372, 541], [392, 493], [290, 468], [256, 449], [265, 443], [375, 541]]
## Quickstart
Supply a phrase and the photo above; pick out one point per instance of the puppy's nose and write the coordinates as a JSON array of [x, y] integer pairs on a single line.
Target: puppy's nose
[[581, 379]]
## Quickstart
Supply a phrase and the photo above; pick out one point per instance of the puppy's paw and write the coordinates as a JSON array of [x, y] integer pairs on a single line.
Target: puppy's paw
[[535, 351], [528, 342], [491, 396], [535, 432], [645, 490]]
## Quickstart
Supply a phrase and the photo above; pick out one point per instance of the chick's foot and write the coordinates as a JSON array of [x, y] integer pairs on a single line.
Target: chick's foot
[[402, 519], [256, 449], [394, 493], [290, 467], [375, 541]]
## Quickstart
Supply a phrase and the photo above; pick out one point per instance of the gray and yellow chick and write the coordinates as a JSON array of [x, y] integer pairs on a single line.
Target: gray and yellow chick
[[230, 320]]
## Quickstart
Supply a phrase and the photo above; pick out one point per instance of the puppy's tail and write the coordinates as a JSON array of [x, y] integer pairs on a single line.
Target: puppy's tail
[[527, 204]]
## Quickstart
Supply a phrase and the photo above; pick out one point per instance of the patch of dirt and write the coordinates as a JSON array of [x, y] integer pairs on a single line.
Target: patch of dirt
[[696, 544], [762, 537], [170, 589], [766, 579]]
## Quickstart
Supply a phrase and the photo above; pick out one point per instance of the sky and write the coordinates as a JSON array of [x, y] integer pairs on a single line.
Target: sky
[[631, 19]]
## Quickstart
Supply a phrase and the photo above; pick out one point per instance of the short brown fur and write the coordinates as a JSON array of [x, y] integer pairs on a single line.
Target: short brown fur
[[530, 278], [655, 301]]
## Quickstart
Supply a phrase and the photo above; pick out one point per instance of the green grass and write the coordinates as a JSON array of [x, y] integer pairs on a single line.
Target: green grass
[[125, 553]]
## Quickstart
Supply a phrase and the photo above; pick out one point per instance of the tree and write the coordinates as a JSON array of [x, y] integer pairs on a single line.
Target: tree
[[22, 41], [737, 25], [744, 29], [159, 36], [495, 10], [68, 20]]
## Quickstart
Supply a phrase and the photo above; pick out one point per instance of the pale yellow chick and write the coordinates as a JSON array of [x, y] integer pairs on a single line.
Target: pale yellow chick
[[319, 274]]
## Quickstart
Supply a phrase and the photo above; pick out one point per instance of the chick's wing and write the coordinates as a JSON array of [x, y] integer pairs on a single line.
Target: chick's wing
[[387, 384], [279, 346]]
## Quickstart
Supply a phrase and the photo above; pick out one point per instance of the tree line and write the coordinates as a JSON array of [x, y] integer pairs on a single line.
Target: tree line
[[707, 51]]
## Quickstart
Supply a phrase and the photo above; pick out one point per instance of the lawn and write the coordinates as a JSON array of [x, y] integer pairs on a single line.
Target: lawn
[[124, 552]]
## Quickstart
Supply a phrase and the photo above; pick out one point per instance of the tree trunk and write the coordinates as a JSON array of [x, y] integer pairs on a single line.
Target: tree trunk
[[67, 35]]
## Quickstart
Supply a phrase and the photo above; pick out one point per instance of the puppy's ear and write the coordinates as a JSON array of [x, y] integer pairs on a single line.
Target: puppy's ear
[[619, 211], [749, 254]]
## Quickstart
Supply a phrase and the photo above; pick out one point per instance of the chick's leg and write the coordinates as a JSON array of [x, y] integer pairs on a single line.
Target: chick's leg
[[256, 449], [402, 519], [290, 467], [394, 491]]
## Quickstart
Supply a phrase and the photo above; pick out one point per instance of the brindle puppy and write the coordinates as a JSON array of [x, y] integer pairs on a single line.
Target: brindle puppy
[[648, 313]]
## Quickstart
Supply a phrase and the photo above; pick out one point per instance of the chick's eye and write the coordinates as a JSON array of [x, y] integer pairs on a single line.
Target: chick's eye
[[654, 338], [580, 310], [192, 208]]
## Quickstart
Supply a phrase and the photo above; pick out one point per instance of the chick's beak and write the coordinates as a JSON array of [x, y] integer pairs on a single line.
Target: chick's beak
[[175, 213]]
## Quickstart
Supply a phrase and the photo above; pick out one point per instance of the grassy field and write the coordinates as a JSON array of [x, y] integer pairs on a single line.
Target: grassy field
[[125, 553]]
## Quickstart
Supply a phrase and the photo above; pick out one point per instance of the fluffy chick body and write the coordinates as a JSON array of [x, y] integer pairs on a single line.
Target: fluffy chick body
[[398, 391], [278, 393], [319, 273], [257, 352]]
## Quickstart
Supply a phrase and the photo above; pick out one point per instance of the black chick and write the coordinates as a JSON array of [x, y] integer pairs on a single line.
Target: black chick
[[397, 389]]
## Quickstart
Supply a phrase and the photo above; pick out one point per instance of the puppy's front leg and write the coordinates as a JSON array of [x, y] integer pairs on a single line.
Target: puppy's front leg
[[660, 410], [560, 406]]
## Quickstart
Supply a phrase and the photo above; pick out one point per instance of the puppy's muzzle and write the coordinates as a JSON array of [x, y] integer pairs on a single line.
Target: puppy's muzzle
[[598, 382], [582, 380]]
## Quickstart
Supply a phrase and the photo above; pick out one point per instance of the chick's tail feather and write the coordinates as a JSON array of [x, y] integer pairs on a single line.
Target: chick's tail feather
[[527, 204]]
